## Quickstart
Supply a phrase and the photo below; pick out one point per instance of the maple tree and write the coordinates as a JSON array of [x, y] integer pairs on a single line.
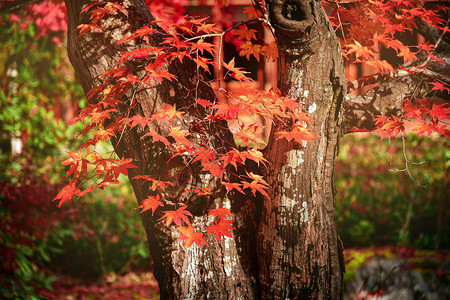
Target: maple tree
[[270, 231]]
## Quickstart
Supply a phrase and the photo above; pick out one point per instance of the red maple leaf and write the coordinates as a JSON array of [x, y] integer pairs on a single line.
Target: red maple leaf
[[122, 167], [78, 164], [439, 111], [221, 212], [441, 61], [355, 129], [189, 234], [426, 46], [176, 216], [220, 228], [157, 137], [204, 102], [437, 86], [155, 182], [67, 193], [230, 186], [423, 127], [152, 202]]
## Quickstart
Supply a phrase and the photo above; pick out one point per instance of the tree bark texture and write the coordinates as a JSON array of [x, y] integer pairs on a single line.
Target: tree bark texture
[[282, 247], [297, 241]]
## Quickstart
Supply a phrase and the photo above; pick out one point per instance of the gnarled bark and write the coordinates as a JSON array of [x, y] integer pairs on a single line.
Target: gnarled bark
[[298, 247]]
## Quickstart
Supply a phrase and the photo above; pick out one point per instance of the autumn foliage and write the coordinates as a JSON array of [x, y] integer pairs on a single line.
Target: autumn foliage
[[365, 30]]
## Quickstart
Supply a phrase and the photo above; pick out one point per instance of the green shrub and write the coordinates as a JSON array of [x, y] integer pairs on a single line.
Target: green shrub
[[378, 206], [107, 235]]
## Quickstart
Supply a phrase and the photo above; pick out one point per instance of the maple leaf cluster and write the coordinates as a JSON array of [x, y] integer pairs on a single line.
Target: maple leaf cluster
[[369, 27], [422, 117], [183, 40], [181, 134]]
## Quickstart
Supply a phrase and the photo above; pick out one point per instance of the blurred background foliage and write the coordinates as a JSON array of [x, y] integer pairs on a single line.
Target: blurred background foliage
[[377, 205], [102, 233], [99, 234]]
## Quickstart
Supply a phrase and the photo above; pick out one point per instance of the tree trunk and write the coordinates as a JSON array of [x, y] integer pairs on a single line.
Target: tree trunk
[[285, 247], [297, 242]]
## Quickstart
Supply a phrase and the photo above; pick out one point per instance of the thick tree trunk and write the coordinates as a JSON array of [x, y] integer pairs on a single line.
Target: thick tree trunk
[[294, 251], [298, 247], [218, 271]]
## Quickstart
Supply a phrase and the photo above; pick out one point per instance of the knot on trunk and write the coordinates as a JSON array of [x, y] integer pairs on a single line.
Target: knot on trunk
[[294, 22], [291, 17]]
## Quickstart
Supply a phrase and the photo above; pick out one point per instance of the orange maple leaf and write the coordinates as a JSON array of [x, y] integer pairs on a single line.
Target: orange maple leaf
[[360, 50], [407, 54], [423, 127], [85, 28], [248, 48], [167, 113], [122, 167], [203, 63], [201, 46], [270, 51], [207, 28], [257, 185], [236, 72], [255, 155], [298, 133], [233, 185], [158, 74], [189, 234], [139, 120], [243, 32], [251, 12], [151, 202], [179, 135]]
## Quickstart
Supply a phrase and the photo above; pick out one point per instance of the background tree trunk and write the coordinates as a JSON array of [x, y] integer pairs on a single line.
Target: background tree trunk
[[295, 253]]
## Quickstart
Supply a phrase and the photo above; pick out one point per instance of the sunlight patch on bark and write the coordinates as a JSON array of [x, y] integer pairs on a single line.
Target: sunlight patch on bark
[[304, 212]]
